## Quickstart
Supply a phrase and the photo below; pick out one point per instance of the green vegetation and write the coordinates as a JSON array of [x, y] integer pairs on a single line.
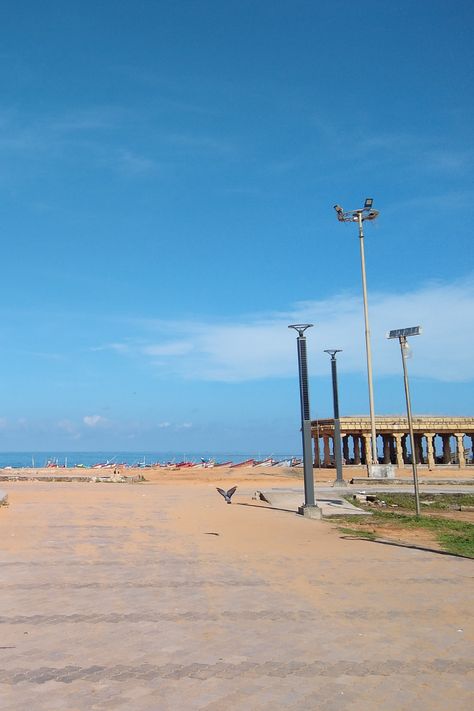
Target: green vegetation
[[437, 502], [453, 536], [429, 502], [359, 532]]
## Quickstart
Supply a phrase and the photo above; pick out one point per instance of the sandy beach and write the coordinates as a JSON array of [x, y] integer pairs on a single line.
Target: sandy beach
[[281, 475], [159, 596]]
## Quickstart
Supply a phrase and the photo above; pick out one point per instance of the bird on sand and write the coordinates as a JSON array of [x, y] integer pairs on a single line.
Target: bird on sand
[[227, 494]]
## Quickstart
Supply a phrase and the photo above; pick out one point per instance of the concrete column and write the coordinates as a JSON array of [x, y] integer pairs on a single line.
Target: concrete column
[[317, 459], [327, 453], [345, 448], [399, 451], [460, 449], [430, 450], [356, 449], [386, 448], [446, 449], [404, 448], [366, 448], [418, 449], [393, 456]]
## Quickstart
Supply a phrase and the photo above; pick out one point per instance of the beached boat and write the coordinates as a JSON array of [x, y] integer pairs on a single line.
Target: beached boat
[[223, 464], [264, 463], [282, 463], [246, 463], [104, 465]]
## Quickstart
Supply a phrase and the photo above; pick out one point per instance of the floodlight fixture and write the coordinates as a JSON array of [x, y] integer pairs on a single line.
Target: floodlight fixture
[[360, 215], [340, 213], [332, 351], [404, 332]]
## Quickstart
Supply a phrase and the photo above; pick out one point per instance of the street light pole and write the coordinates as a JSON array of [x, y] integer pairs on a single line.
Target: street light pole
[[337, 425], [402, 334], [360, 215], [309, 509], [368, 349]]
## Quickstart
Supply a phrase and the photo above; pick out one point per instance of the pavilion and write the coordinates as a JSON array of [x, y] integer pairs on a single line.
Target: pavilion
[[438, 440]]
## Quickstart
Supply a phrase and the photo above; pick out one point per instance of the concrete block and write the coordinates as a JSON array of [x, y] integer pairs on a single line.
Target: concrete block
[[381, 471], [310, 512]]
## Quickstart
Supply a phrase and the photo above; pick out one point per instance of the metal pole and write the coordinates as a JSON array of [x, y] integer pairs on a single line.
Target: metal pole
[[337, 424], [305, 421], [403, 345], [367, 343]]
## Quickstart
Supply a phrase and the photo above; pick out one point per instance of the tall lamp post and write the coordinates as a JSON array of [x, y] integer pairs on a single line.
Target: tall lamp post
[[309, 509], [402, 334], [360, 215], [337, 425]]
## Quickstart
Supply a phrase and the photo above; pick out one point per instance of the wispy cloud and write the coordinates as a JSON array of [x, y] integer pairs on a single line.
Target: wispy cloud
[[94, 420], [201, 143], [133, 164], [95, 133], [260, 346], [172, 348]]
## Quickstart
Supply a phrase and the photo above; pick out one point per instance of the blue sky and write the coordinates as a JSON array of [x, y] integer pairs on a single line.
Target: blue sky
[[167, 177]]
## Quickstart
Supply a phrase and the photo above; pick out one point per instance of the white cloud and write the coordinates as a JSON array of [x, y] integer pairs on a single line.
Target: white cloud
[[67, 426], [133, 164], [164, 425], [261, 346], [119, 347], [94, 420], [169, 349]]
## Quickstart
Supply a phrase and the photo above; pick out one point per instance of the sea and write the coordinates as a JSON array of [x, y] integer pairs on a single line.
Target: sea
[[18, 460]]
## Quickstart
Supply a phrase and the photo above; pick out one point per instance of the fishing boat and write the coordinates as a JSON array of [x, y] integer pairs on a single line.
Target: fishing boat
[[223, 464], [282, 463], [108, 464], [246, 463], [296, 462], [204, 464], [264, 463]]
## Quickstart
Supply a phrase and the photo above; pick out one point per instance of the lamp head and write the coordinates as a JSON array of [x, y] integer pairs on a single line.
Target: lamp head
[[340, 212], [368, 202], [301, 328]]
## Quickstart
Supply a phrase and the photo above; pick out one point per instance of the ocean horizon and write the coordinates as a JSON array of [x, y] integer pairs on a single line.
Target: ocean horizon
[[70, 459]]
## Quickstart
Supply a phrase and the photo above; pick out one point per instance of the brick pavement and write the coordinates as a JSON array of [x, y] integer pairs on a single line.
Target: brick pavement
[[122, 597]]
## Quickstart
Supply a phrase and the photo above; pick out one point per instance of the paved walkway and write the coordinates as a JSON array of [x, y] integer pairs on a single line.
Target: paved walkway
[[150, 597]]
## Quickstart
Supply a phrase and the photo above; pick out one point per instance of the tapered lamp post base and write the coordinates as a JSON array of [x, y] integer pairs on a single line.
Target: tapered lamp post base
[[310, 512]]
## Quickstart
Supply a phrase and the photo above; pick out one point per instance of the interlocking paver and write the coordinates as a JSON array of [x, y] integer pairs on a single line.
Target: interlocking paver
[[117, 597]]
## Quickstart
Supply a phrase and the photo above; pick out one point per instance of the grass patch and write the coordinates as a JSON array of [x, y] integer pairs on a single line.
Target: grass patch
[[453, 536], [369, 535], [439, 502], [433, 502]]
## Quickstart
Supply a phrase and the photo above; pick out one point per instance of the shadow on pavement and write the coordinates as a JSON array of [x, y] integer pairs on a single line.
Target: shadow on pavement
[[400, 544], [267, 508]]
